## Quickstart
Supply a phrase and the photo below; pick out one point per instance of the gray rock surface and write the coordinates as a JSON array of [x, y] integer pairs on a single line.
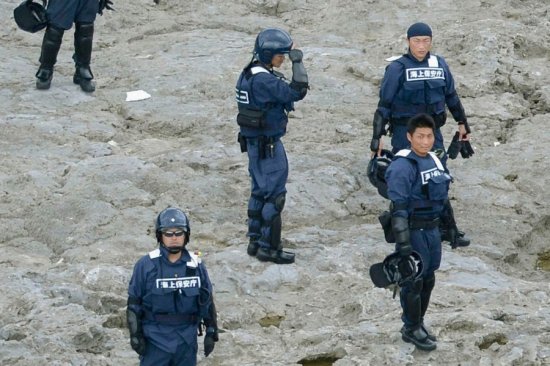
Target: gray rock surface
[[83, 176]]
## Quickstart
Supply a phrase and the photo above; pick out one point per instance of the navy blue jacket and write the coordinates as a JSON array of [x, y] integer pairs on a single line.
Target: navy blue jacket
[[259, 88], [417, 185], [169, 289], [410, 87]]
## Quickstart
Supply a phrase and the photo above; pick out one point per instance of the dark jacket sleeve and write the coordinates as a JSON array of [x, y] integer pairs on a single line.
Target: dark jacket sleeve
[[391, 83]]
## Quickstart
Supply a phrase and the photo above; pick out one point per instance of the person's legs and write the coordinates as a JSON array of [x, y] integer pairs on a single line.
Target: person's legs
[[154, 356], [83, 39], [48, 56]]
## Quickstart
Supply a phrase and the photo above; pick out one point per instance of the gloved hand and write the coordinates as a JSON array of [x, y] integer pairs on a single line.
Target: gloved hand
[[404, 249], [138, 343], [452, 233], [466, 149], [104, 4], [300, 88], [209, 343], [295, 55]]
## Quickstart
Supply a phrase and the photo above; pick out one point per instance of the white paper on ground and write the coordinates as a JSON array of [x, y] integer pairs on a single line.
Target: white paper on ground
[[135, 95]]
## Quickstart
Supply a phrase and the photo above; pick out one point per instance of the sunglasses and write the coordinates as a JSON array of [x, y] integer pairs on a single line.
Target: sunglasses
[[170, 234]]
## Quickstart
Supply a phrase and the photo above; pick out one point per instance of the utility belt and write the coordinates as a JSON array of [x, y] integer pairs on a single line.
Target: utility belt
[[173, 319], [415, 223], [439, 119], [418, 223], [266, 144]]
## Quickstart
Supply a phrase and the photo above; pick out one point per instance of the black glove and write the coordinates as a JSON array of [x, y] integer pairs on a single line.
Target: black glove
[[138, 343], [404, 249], [209, 343], [455, 147], [296, 55], [104, 4], [300, 88], [466, 150]]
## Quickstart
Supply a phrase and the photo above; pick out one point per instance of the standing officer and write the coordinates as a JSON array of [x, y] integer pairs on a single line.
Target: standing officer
[[61, 15], [264, 100], [169, 294], [419, 82], [418, 187]]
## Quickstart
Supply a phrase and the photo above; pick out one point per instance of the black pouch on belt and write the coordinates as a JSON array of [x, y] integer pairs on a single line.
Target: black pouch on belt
[[251, 118], [385, 221], [242, 142]]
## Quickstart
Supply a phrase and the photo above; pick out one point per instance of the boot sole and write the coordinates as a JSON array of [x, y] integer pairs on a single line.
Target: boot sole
[[418, 345], [431, 337], [261, 258]]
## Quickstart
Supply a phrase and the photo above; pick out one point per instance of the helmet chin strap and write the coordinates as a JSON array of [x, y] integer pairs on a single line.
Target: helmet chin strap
[[174, 250]]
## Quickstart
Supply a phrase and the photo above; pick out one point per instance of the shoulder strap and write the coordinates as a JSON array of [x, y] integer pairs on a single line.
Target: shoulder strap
[[437, 161], [155, 253], [433, 61]]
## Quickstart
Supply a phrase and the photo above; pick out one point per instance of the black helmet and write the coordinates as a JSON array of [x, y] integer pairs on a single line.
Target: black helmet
[[396, 270], [271, 42], [376, 171], [172, 217], [31, 16]]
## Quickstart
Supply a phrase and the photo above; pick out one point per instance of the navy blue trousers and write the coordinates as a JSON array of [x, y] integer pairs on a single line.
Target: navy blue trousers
[[63, 13], [154, 356], [427, 243], [268, 180]]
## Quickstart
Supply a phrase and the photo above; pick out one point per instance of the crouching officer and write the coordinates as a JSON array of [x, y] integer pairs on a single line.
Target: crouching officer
[[169, 295], [264, 99], [61, 16], [417, 187], [420, 82]]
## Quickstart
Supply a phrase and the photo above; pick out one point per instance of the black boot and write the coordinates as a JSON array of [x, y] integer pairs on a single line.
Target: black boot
[[83, 37], [48, 56], [418, 337], [461, 240], [275, 256], [253, 246], [428, 284], [413, 310]]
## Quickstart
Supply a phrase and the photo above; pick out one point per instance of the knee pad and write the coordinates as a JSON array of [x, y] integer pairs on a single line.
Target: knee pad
[[428, 283], [280, 202], [54, 34], [84, 29]]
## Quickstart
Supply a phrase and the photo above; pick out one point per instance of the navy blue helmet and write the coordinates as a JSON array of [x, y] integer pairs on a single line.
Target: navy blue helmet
[[172, 217], [31, 16], [396, 270], [376, 171], [271, 42]]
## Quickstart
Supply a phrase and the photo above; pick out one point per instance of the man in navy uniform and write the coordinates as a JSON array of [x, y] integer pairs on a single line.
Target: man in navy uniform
[[264, 99], [419, 82], [61, 16], [417, 187], [168, 296]]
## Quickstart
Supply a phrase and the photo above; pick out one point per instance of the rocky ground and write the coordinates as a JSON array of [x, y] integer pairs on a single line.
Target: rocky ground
[[83, 176]]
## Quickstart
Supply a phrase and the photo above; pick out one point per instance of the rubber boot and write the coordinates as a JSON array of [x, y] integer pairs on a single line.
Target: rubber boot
[[48, 56], [83, 38]]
